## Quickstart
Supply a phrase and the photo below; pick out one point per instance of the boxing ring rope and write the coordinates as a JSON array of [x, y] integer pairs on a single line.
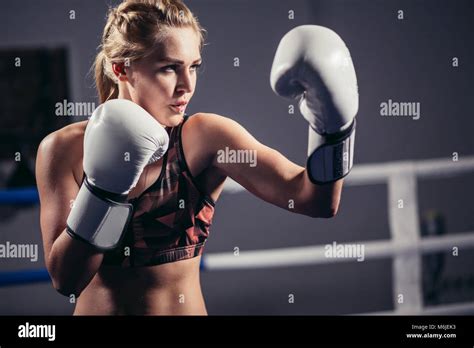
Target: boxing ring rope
[[405, 246], [406, 243], [315, 255], [19, 196]]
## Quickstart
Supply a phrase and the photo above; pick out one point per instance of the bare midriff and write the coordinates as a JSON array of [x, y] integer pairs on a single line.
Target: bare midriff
[[167, 289]]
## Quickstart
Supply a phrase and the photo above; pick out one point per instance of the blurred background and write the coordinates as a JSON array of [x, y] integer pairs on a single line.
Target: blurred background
[[405, 51]]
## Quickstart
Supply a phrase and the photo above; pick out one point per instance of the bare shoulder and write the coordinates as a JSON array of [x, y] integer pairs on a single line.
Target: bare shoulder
[[205, 121], [60, 143], [61, 149], [217, 128]]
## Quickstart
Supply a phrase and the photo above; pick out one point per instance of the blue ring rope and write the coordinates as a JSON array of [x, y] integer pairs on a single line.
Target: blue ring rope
[[24, 277], [25, 195], [29, 195]]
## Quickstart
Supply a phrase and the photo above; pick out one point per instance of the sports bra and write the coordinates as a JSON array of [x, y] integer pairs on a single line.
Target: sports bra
[[171, 218]]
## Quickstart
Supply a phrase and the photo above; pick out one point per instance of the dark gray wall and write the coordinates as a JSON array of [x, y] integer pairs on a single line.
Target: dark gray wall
[[407, 60]]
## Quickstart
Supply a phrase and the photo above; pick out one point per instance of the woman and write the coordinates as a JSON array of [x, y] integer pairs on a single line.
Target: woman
[[150, 54]]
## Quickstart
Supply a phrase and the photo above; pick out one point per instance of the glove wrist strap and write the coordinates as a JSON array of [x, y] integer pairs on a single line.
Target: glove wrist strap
[[332, 159], [97, 219]]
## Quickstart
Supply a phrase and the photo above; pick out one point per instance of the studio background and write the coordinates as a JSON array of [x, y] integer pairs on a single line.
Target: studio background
[[407, 60]]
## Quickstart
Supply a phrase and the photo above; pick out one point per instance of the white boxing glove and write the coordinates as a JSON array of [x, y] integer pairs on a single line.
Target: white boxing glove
[[313, 65], [121, 138]]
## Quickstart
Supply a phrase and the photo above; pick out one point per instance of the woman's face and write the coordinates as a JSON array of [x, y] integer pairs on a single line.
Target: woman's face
[[167, 77]]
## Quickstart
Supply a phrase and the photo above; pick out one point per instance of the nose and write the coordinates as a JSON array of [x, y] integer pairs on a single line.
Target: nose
[[185, 82]]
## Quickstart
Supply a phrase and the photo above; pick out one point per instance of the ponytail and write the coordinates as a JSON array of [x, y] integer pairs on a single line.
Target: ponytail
[[106, 87]]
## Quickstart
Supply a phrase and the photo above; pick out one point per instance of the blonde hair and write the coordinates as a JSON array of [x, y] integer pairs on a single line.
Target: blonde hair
[[131, 31]]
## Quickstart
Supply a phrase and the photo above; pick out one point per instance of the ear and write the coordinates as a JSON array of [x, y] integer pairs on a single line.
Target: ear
[[119, 71]]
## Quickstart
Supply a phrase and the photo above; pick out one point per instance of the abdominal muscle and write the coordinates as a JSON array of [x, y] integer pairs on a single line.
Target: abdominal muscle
[[167, 289]]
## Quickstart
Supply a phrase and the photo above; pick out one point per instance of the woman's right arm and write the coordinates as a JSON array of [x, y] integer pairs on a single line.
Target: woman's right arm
[[71, 263]]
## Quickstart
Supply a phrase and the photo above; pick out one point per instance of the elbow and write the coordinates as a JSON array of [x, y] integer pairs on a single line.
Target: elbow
[[62, 281], [71, 269], [65, 287], [329, 213], [322, 201], [324, 212]]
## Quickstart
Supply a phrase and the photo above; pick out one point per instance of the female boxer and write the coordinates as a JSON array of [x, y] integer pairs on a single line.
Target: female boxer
[[127, 197]]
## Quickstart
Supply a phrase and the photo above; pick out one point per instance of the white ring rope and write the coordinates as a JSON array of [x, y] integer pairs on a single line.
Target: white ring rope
[[313, 255], [404, 247], [374, 174]]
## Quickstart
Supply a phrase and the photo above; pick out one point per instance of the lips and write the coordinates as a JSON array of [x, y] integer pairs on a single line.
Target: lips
[[180, 107], [183, 102]]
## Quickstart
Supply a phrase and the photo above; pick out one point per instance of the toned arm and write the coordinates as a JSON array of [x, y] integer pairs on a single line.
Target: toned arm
[[274, 178], [71, 263]]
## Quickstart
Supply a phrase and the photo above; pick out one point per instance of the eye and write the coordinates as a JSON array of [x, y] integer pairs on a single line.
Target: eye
[[196, 67], [169, 68]]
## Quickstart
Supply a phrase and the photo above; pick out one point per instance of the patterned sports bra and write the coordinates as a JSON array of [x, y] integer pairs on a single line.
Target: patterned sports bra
[[171, 218]]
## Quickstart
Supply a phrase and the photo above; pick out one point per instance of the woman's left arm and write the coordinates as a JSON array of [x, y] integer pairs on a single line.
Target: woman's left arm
[[264, 171]]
